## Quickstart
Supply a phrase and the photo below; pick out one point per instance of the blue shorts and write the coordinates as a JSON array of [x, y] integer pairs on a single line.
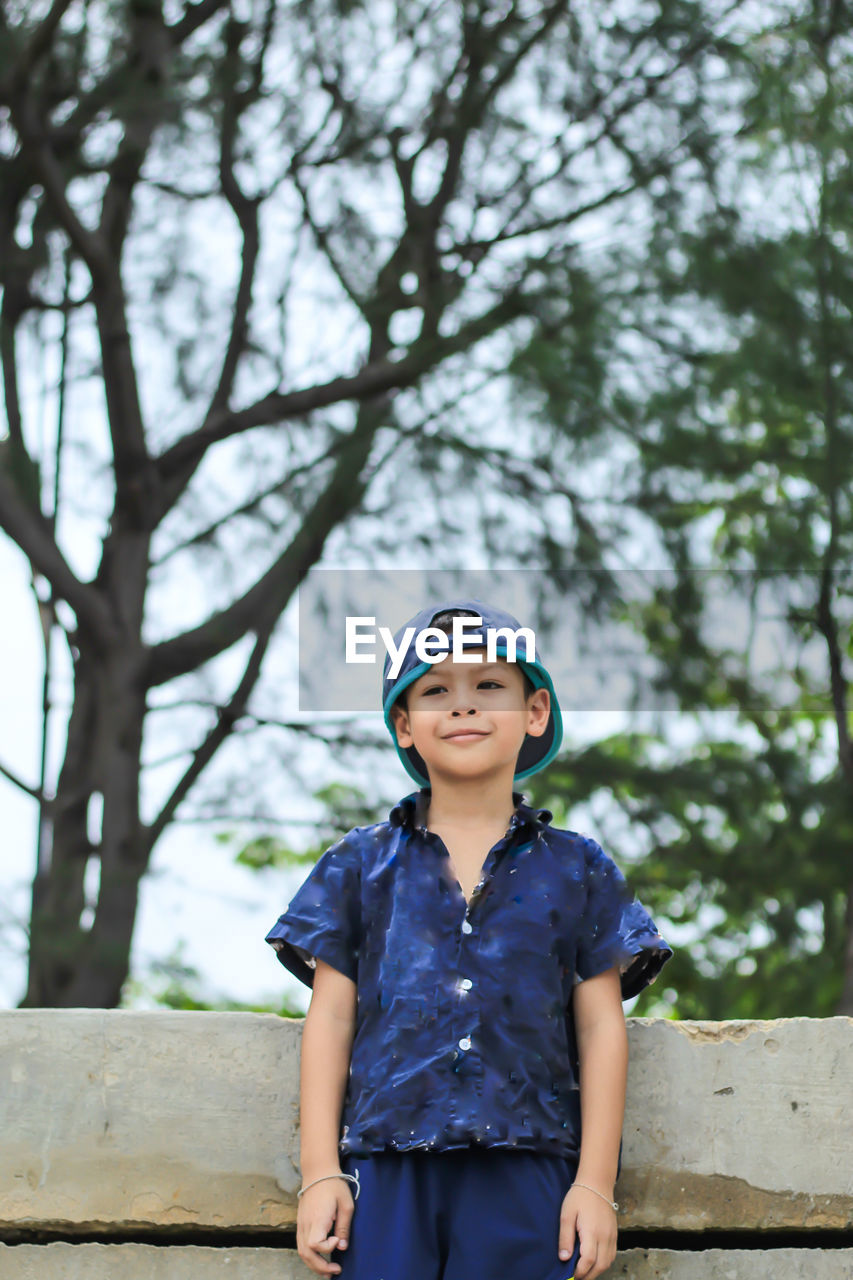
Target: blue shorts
[[466, 1214]]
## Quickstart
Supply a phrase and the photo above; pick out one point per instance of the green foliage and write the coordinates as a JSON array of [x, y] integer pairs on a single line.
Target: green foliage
[[560, 374], [625, 241], [171, 983], [345, 807], [739, 310], [742, 857]]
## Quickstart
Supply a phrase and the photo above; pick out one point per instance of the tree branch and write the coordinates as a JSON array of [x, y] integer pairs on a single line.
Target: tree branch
[[828, 627], [139, 112], [33, 136], [195, 16], [246, 212], [479, 248], [29, 529], [263, 603], [830, 350], [39, 44], [8, 357], [127, 430], [226, 719], [18, 782], [381, 376], [479, 100], [250, 506], [321, 236], [105, 91], [370, 381]]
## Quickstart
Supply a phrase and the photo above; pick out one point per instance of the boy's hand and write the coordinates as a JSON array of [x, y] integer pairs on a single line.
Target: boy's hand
[[323, 1223], [595, 1225]]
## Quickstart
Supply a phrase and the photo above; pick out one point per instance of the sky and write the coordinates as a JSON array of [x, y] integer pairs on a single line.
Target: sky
[[194, 897], [193, 892]]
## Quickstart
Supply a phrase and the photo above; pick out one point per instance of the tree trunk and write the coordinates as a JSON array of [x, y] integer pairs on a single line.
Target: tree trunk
[[845, 1003], [71, 965]]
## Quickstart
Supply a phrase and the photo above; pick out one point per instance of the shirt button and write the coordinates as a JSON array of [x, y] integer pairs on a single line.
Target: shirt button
[[467, 926], [466, 984], [465, 1043]]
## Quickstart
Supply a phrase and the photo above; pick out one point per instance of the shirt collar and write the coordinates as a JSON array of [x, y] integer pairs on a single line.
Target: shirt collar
[[411, 811]]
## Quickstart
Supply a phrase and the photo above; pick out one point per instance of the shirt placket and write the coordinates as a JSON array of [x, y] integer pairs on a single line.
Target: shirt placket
[[464, 1057]]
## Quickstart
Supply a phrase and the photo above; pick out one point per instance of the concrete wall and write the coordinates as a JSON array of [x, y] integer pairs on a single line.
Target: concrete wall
[[147, 1262], [123, 1132]]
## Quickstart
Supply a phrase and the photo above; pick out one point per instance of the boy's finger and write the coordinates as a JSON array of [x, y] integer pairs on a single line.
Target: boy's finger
[[566, 1242], [342, 1223], [586, 1261], [312, 1246], [323, 1244], [321, 1265], [565, 1250], [569, 1254]]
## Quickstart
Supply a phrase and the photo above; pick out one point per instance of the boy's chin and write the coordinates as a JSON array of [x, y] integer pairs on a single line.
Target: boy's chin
[[464, 776]]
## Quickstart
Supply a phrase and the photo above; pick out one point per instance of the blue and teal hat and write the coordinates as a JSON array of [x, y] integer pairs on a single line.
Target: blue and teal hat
[[535, 753]]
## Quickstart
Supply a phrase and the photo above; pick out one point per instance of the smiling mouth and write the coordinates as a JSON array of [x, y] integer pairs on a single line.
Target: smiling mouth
[[464, 735]]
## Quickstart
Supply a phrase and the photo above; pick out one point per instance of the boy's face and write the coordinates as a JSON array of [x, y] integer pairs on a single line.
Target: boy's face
[[469, 719]]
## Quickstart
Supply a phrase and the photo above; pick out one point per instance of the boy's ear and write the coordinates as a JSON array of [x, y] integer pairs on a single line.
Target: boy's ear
[[402, 728], [538, 711]]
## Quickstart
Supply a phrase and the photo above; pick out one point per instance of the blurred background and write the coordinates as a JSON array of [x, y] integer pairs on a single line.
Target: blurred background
[[293, 286]]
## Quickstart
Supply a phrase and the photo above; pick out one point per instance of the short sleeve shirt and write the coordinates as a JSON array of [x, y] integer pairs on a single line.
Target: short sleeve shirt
[[464, 1032]]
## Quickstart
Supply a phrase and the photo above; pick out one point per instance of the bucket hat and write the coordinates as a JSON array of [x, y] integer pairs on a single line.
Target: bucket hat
[[535, 753]]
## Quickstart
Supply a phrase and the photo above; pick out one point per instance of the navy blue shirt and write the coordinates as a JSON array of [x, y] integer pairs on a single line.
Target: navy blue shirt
[[464, 1033]]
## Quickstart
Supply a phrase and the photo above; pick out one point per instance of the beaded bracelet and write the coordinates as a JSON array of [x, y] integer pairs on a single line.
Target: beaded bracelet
[[350, 1178]]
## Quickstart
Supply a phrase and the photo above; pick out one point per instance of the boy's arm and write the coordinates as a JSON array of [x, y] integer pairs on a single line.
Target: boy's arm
[[602, 1039], [324, 1069]]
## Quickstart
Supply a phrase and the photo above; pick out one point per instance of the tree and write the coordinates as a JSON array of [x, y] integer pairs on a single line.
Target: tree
[[292, 243], [745, 463]]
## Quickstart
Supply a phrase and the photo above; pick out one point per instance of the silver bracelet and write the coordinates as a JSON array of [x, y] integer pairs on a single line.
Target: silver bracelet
[[612, 1203], [349, 1177]]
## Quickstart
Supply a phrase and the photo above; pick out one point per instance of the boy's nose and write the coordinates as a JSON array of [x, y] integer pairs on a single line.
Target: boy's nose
[[457, 711]]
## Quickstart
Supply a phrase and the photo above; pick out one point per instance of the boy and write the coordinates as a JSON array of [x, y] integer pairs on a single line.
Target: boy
[[468, 964]]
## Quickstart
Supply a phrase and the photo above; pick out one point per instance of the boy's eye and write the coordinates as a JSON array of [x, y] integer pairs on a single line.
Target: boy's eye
[[440, 688]]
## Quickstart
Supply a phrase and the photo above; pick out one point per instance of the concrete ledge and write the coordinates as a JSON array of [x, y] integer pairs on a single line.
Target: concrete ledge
[[146, 1262], [739, 1124], [159, 1121], [732, 1264], [148, 1119]]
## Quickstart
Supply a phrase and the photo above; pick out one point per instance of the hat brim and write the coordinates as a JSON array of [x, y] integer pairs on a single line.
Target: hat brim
[[535, 753]]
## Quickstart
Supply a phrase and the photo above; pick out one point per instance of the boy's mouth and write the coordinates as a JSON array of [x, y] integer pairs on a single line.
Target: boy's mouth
[[464, 734]]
